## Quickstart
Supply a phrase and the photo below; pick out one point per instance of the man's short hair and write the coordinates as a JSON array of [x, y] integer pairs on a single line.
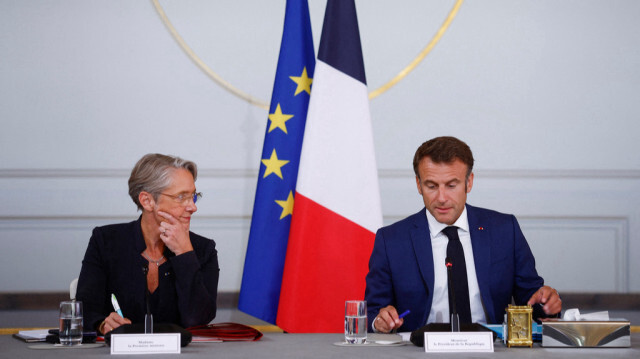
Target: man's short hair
[[445, 149], [153, 173]]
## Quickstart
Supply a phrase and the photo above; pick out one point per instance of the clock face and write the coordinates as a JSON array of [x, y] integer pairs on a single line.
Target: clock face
[[519, 326]]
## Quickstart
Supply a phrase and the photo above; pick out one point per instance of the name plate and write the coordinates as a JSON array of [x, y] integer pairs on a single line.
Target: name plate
[[456, 342], [161, 343]]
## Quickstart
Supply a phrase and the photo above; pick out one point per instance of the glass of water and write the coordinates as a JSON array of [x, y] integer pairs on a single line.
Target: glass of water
[[355, 321], [70, 322]]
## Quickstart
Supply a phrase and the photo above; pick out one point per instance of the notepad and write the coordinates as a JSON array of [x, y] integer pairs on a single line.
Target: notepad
[[29, 336]]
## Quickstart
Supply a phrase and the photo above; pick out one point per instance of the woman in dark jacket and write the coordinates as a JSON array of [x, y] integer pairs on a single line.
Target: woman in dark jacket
[[155, 259]]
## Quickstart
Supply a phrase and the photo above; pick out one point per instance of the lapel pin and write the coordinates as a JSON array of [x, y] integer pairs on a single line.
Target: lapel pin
[[481, 228]]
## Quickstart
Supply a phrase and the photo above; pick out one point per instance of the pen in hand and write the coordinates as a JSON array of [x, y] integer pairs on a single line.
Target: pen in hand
[[115, 304], [404, 314]]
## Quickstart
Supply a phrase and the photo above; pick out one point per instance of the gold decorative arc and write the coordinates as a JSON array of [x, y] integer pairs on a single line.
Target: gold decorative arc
[[259, 103]]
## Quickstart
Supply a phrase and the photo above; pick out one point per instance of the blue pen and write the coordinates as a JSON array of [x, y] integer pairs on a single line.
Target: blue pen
[[115, 304], [404, 314]]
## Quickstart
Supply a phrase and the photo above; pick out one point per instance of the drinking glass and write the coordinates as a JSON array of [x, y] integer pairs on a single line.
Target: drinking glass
[[70, 322], [355, 321]]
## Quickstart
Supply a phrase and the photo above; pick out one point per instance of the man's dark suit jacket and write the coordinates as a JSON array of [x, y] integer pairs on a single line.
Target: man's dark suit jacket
[[401, 266], [187, 288]]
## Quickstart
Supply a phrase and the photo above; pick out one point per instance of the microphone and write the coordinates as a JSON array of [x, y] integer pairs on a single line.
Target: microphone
[[148, 317], [455, 319]]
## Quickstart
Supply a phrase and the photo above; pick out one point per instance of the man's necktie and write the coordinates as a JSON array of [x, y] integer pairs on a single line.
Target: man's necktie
[[458, 275]]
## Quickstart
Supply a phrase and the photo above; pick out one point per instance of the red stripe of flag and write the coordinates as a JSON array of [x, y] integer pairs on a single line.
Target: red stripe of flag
[[330, 254]]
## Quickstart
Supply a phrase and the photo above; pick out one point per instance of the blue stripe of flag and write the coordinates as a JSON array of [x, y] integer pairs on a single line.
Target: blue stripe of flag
[[340, 41], [268, 237]]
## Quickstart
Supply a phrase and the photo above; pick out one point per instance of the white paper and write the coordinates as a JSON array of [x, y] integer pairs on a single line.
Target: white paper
[[573, 314], [35, 334]]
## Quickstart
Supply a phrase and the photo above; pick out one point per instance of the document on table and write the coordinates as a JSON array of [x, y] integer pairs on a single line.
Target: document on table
[[29, 336]]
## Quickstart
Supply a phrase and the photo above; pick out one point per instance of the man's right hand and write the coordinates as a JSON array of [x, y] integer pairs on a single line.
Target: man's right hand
[[387, 320]]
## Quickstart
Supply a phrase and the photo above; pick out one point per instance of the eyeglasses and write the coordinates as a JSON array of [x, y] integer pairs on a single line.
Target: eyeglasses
[[185, 198]]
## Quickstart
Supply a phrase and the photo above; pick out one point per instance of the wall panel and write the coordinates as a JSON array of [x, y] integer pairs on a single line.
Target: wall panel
[[582, 242]]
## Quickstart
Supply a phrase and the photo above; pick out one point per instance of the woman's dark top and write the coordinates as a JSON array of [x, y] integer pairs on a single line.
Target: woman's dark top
[[187, 284]]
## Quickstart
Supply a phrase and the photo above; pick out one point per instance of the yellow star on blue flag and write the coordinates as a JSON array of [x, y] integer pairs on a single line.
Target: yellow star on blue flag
[[303, 81]]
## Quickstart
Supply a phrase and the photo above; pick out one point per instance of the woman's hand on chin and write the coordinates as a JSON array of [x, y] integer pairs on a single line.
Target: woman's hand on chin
[[174, 234]]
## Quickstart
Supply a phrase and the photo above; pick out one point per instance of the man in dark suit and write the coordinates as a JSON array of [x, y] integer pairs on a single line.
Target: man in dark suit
[[407, 269]]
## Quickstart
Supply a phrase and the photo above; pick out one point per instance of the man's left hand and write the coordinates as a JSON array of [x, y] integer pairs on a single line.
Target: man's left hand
[[549, 298]]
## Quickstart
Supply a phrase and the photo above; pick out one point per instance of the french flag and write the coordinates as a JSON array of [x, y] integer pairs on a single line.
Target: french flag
[[337, 201]]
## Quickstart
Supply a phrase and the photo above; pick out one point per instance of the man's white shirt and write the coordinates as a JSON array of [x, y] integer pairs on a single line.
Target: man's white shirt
[[440, 306]]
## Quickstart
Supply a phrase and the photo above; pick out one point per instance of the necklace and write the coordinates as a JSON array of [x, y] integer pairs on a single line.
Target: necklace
[[157, 262]]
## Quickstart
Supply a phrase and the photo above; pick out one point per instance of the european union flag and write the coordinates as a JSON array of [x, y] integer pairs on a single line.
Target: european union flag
[[264, 262]]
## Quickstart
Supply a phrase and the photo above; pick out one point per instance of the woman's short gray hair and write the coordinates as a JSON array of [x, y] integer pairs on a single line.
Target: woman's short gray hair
[[153, 172]]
